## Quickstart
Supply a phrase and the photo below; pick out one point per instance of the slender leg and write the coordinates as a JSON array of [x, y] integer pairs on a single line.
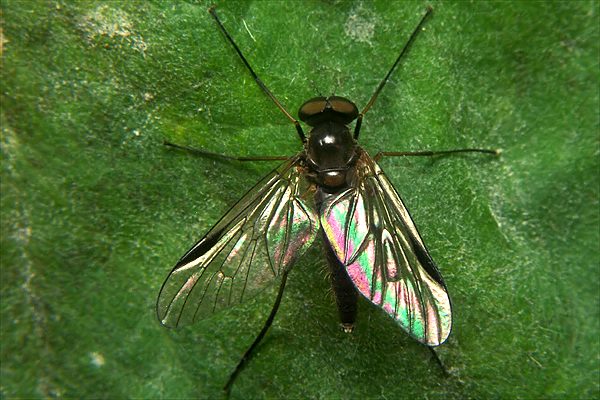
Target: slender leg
[[210, 154], [381, 154], [438, 361], [387, 77], [248, 354], [258, 81]]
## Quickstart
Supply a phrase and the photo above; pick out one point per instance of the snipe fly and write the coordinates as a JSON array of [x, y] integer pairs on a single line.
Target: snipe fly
[[334, 190]]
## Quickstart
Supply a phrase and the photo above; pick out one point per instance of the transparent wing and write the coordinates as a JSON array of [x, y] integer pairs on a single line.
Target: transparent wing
[[373, 235], [258, 238]]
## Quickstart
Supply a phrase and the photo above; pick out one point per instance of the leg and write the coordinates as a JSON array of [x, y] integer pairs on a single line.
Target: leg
[[210, 154], [381, 154], [248, 354], [438, 361], [258, 81], [387, 76]]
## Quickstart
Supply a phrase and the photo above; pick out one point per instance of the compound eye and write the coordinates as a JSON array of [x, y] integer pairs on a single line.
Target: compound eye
[[323, 109], [311, 108], [343, 106]]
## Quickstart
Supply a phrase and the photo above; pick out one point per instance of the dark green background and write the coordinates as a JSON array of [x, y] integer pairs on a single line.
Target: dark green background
[[95, 211]]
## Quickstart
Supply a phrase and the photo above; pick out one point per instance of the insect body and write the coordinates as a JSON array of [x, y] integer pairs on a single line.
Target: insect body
[[371, 242], [332, 190]]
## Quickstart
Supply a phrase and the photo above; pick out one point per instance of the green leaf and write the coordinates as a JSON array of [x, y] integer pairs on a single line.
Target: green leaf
[[95, 210]]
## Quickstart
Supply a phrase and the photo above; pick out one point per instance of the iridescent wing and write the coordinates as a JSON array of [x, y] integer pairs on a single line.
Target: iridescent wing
[[251, 246], [373, 235]]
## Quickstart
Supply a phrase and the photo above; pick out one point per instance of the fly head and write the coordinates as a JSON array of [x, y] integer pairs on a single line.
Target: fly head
[[331, 149]]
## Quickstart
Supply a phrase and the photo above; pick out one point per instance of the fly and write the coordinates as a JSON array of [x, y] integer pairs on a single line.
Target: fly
[[332, 190]]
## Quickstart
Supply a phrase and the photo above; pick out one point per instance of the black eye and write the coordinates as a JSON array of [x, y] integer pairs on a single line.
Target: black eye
[[334, 108]]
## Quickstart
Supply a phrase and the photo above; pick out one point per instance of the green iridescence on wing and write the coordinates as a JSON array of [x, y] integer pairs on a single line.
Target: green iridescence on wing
[[372, 235]]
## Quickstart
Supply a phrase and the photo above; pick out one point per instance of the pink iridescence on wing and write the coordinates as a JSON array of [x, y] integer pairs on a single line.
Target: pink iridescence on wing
[[373, 235], [361, 271], [335, 231]]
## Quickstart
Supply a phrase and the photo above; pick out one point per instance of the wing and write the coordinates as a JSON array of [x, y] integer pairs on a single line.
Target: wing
[[373, 235], [258, 238]]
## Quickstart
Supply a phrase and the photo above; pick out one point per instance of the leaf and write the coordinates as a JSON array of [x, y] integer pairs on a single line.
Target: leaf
[[95, 211]]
